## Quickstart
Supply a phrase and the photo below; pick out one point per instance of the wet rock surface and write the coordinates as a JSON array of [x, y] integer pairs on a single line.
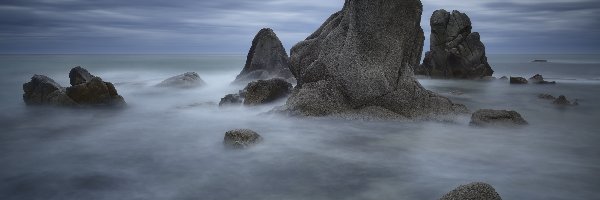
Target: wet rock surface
[[518, 80], [241, 138], [455, 51], [186, 80], [42, 90], [473, 191], [266, 91], [488, 117]]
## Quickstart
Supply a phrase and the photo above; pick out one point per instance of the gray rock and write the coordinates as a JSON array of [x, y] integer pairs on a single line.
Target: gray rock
[[518, 80], [42, 90], [539, 79], [546, 96], [455, 51], [539, 61], [473, 191], [562, 100], [362, 57], [266, 59], [79, 75], [95, 93], [241, 138], [266, 91], [231, 99], [488, 117], [186, 80], [503, 78]]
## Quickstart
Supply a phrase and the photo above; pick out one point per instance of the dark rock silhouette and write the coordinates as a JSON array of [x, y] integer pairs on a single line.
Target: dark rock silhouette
[[455, 51], [186, 80], [79, 75], [231, 99], [539, 79], [361, 59], [518, 80], [266, 59], [241, 138], [546, 96], [266, 91], [562, 100], [488, 117], [473, 191], [42, 90]]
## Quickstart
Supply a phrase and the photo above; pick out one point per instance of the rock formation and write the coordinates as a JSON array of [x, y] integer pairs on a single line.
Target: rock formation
[[455, 51], [241, 138], [473, 191], [267, 59], [266, 91], [518, 80], [488, 117], [42, 90], [562, 100], [231, 99], [539, 79], [546, 96], [361, 59], [186, 80]]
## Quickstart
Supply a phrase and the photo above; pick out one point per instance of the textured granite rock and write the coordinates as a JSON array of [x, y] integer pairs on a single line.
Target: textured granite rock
[[266, 91], [488, 117], [79, 75], [518, 80], [42, 90], [455, 51], [473, 191], [231, 99], [186, 80], [362, 58], [241, 138], [266, 59], [95, 93]]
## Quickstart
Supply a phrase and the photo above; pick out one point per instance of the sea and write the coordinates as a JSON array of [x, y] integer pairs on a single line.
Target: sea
[[168, 143]]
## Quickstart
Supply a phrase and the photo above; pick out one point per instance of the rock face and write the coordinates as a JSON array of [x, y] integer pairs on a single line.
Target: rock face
[[487, 117], [186, 80], [42, 90], [539, 79], [266, 91], [455, 51], [79, 75], [241, 138], [473, 191], [231, 99], [518, 80], [362, 58], [267, 59]]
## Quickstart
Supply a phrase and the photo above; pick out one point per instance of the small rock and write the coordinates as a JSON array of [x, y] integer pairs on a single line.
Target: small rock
[[562, 100], [473, 191], [576, 102], [546, 96], [539, 79], [539, 61], [503, 78], [488, 117], [79, 75], [231, 99], [518, 80], [266, 91], [186, 80], [241, 138]]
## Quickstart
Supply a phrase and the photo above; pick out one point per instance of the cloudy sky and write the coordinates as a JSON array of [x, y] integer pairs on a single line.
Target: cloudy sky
[[228, 26]]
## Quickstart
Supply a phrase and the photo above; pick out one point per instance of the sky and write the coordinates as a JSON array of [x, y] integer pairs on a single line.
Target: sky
[[228, 26]]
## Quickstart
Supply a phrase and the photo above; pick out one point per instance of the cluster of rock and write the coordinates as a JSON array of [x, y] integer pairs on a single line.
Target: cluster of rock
[[241, 138], [473, 191], [85, 90], [538, 79], [455, 51], [488, 117], [360, 60], [259, 92], [186, 80], [266, 59], [561, 100]]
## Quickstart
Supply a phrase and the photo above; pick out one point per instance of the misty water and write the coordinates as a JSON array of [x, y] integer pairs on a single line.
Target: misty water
[[167, 143]]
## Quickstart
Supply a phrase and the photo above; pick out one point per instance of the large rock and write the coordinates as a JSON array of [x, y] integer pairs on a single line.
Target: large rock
[[455, 51], [488, 117], [95, 93], [362, 57], [518, 80], [241, 138], [266, 59], [42, 90], [266, 91], [473, 191], [79, 75], [186, 80]]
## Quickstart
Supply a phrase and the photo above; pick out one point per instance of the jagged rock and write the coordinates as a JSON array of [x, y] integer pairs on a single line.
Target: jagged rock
[[562, 100], [42, 90], [266, 59], [241, 138], [231, 99], [503, 78], [266, 91], [488, 117], [186, 80], [546, 96], [96, 93], [518, 80], [540, 80], [362, 57], [455, 51], [473, 191], [79, 75]]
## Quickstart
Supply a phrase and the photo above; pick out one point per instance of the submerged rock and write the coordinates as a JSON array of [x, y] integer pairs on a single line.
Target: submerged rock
[[266, 59], [241, 138], [488, 117], [42, 90], [455, 51], [546, 96], [518, 80], [539, 61], [362, 57], [186, 80], [231, 99], [266, 91], [473, 191], [539, 79], [562, 100]]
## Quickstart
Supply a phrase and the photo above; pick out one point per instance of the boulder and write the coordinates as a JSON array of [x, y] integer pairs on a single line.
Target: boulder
[[488, 117], [362, 57], [473, 191], [546, 96], [562, 100], [79, 75], [241, 138], [186, 80], [95, 93], [266, 59], [42, 90], [539, 79], [455, 51], [518, 80], [266, 91], [231, 99]]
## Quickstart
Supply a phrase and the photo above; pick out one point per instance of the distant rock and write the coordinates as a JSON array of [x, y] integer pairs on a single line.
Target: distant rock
[[539, 79], [455, 51], [186, 80], [231, 99], [562, 100], [546, 96], [503, 78], [266, 59], [362, 58], [241, 138], [473, 191], [488, 117], [539, 61], [42, 90], [518, 80], [79, 75], [266, 91]]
